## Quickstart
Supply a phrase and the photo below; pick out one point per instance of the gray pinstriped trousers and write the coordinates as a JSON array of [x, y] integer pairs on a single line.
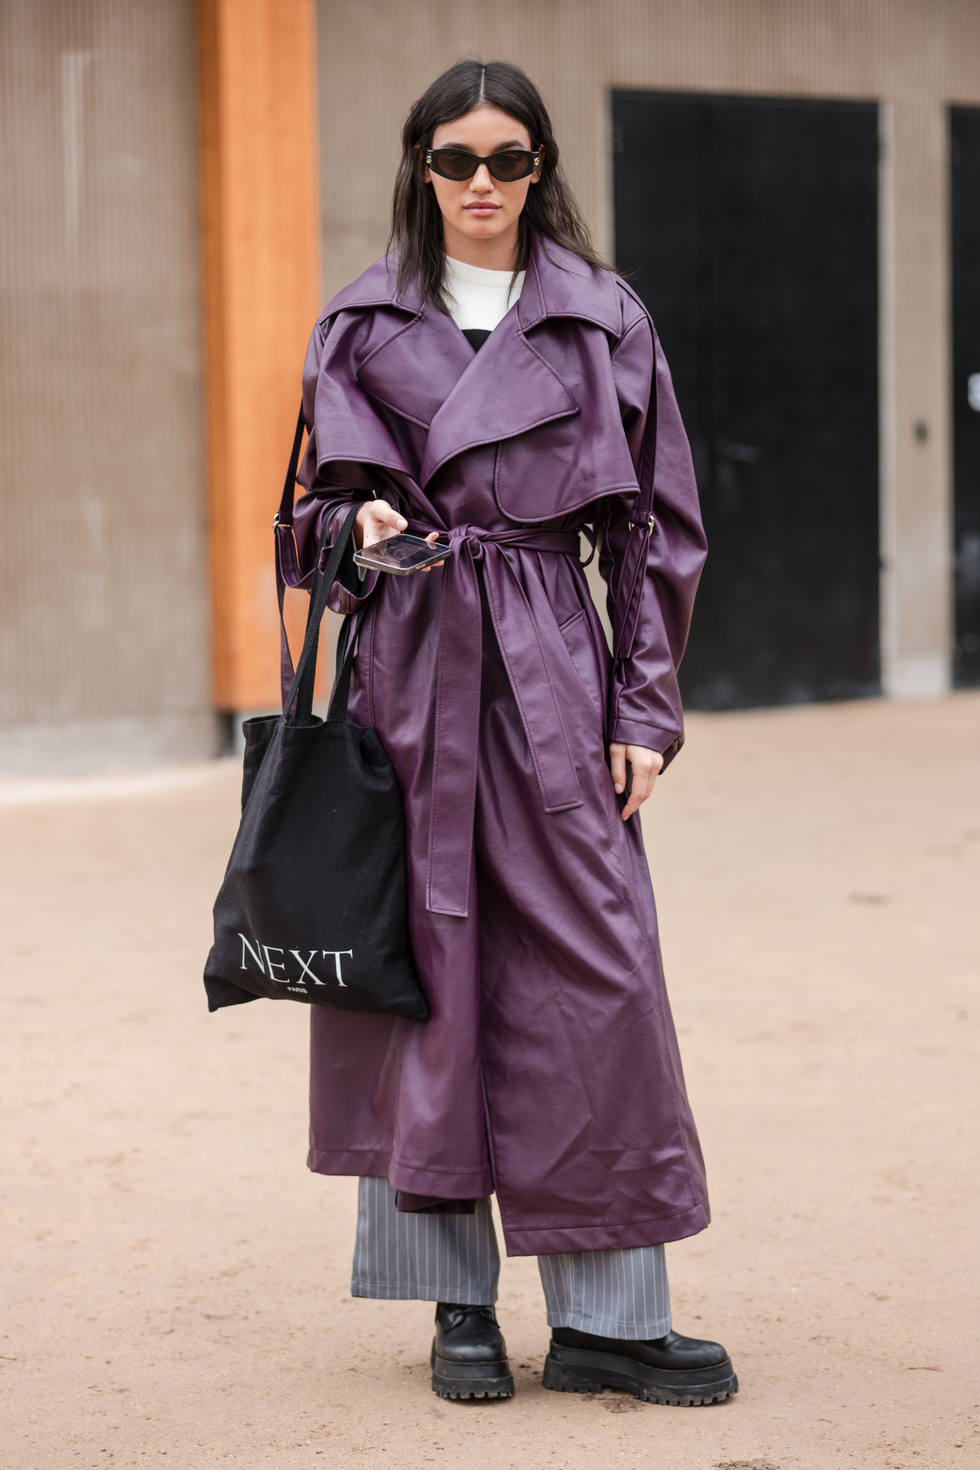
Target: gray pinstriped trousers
[[454, 1258]]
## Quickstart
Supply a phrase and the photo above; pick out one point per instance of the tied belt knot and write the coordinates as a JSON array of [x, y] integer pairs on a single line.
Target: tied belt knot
[[458, 681]]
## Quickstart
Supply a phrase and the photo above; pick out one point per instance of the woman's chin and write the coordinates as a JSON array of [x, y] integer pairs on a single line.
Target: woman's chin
[[482, 227]]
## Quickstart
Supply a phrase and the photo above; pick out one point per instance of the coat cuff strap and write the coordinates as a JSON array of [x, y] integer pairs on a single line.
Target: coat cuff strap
[[652, 737]]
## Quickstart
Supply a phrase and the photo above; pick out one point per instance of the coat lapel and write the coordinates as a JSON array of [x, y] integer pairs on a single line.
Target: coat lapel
[[417, 368], [506, 388], [427, 372]]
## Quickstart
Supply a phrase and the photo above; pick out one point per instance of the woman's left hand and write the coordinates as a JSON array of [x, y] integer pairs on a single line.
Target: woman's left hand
[[646, 765]]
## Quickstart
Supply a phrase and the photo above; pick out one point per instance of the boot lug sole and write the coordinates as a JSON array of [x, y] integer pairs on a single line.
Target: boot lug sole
[[451, 1380], [574, 1370]]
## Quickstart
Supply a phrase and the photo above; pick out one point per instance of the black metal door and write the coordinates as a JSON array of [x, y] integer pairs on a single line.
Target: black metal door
[[965, 198], [749, 227]]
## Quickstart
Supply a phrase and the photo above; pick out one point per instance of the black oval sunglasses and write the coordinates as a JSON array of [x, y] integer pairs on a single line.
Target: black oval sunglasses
[[459, 165]]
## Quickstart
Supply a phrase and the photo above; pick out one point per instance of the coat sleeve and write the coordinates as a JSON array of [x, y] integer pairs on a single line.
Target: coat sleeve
[[646, 703], [329, 495]]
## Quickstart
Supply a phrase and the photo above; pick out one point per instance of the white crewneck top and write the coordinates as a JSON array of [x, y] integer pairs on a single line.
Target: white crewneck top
[[478, 298]]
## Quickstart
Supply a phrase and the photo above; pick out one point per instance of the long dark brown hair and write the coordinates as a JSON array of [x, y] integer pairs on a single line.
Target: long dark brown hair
[[416, 220]]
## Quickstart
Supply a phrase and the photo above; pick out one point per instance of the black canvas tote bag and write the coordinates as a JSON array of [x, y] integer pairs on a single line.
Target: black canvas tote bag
[[313, 904]]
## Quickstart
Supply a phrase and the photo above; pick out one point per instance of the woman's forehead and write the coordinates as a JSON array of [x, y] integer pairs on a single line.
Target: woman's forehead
[[483, 130]]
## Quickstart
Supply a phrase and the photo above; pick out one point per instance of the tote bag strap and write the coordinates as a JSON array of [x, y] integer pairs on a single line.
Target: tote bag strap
[[297, 706], [346, 648], [286, 558]]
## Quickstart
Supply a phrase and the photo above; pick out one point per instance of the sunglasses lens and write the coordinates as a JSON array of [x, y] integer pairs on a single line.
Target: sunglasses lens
[[459, 165], [453, 164], [509, 166]]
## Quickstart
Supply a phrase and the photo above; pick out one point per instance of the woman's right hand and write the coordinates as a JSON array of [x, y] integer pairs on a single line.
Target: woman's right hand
[[376, 520]]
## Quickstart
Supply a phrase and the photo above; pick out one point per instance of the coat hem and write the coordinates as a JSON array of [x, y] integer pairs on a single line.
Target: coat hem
[[553, 1240], [362, 1163], [379, 1164]]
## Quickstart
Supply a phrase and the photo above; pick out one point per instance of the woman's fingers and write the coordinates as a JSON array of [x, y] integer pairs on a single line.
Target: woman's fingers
[[640, 789], [617, 764], [433, 536], [377, 519], [645, 765], [386, 515]]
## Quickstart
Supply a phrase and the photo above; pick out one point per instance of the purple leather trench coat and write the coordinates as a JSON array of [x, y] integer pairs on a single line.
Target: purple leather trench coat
[[549, 1071]]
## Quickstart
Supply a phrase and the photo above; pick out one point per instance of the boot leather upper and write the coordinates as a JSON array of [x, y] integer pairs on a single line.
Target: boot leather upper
[[468, 1335], [672, 1351]]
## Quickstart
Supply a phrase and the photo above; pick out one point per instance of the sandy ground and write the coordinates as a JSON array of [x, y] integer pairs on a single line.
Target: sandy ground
[[176, 1283]]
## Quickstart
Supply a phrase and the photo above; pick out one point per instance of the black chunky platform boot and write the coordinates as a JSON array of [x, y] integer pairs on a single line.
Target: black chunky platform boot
[[469, 1355], [665, 1370]]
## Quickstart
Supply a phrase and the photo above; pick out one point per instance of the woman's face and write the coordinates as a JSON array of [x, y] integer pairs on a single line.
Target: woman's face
[[481, 208]]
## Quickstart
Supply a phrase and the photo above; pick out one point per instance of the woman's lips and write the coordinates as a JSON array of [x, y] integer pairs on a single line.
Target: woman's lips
[[482, 209]]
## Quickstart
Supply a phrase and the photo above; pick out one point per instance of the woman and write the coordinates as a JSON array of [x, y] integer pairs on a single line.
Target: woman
[[491, 383]]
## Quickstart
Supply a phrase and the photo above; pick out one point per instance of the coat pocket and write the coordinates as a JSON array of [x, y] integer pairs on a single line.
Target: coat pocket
[[581, 649]]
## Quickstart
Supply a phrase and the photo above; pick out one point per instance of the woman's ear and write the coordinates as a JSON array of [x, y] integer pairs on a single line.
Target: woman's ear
[[426, 176]]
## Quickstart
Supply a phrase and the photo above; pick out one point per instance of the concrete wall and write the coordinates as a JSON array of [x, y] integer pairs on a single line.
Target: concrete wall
[[914, 56], [104, 654]]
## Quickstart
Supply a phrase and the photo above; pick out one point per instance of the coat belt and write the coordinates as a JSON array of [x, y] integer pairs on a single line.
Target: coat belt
[[458, 680]]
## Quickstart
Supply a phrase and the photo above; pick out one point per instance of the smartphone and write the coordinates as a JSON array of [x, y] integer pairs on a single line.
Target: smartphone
[[401, 554]]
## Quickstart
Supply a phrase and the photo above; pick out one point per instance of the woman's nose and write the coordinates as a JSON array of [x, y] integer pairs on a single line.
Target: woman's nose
[[481, 182]]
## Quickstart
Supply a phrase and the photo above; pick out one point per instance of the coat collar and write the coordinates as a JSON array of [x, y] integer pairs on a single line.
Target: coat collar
[[426, 371], [557, 283]]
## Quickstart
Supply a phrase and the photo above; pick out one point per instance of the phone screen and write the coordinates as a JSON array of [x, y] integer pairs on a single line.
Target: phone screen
[[400, 553]]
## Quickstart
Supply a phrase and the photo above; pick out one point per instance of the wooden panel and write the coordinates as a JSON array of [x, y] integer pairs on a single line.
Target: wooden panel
[[260, 218]]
